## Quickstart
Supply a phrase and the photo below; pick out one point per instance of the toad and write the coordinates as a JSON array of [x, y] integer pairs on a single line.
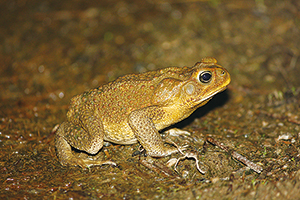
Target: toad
[[134, 107]]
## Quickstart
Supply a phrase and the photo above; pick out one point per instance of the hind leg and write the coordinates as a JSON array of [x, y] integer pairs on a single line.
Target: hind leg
[[88, 139]]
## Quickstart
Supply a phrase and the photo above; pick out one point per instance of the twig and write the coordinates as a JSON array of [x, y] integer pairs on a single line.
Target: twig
[[236, 155]]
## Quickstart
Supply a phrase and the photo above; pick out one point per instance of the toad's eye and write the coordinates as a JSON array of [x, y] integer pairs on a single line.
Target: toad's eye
[[205, 77]]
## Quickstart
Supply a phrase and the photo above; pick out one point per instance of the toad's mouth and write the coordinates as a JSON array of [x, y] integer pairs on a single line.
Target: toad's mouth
[[203, 101], [214, 93]]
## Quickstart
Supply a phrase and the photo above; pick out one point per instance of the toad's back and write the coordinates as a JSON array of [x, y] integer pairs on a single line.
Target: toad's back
[[115, 100]]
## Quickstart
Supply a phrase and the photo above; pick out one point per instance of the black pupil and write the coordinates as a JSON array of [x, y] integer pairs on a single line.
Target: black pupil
[[205, 77]]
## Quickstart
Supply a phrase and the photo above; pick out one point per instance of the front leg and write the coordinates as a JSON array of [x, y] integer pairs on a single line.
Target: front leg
[[141, 122]]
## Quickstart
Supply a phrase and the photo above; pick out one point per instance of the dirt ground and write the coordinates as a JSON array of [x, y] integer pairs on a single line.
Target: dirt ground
[[53, 50]]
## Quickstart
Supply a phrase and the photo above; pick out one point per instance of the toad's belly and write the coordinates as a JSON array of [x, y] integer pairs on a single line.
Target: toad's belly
[[119, 134]]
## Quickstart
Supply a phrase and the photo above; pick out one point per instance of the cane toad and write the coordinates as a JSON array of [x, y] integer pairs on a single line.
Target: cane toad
[[134, 107]]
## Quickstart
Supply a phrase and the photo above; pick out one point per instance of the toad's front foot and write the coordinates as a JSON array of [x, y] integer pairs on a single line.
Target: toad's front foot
[[165, 151]]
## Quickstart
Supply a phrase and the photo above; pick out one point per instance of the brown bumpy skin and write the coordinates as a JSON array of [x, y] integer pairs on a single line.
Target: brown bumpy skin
[[133, 108]]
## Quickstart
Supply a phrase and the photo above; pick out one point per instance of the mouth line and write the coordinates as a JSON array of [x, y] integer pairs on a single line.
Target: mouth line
[[213, 94]]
